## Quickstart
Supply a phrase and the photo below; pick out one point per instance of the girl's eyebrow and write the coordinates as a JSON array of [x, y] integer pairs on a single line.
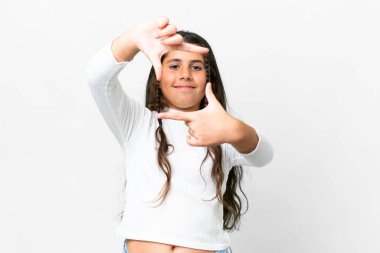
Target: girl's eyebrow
[[191, 61]]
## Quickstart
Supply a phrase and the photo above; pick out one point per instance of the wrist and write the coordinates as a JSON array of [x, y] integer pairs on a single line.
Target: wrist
[[235, 132], [244, 138], [124, 47], [234, 129]]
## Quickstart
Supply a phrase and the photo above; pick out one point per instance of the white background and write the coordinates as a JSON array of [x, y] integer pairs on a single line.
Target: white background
[[305, 72]]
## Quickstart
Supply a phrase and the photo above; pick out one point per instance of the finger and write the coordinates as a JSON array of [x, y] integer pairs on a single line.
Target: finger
[[175, 115], [162, 21], [193, 141], [167, 31], [193, 48], [191, 132], [177, 44], [173, 40]]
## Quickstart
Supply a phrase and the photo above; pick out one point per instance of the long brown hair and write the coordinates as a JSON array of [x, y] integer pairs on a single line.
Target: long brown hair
[[156, 102]]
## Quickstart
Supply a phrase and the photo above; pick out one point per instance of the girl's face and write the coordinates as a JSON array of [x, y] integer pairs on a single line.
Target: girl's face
[[183, 80]]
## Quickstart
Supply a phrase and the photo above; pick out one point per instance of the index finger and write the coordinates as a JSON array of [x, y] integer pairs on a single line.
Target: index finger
[[193, 48], [185, 116], [175, 43]]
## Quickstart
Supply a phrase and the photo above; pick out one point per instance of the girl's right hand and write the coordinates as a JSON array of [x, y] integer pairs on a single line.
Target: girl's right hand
[[155, 36]]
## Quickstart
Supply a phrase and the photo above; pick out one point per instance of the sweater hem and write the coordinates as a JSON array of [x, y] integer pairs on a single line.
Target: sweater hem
[[172, 241]]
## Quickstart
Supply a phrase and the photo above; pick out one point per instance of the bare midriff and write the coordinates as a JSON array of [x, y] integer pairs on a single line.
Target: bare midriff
[[137, 246]]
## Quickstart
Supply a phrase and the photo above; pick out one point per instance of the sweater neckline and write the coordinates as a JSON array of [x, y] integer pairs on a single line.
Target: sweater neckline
[[174, 110]]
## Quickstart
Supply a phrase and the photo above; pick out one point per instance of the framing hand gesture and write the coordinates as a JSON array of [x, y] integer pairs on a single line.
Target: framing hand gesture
[[210, 126], [154, 37]]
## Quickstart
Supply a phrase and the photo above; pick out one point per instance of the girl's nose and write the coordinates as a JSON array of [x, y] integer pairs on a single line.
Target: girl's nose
[[185, 74]]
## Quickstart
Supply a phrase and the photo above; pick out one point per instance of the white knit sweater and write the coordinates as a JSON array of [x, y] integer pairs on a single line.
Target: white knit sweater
[[185, 218]]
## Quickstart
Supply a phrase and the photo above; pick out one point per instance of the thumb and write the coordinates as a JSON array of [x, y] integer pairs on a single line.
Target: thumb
[[157, 67], [209, 94]]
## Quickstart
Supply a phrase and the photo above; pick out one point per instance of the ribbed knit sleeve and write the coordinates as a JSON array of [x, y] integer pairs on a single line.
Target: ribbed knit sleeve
[[259, 157], [122, 113]]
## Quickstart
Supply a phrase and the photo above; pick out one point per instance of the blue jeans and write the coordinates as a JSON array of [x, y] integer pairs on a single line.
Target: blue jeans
[[219, 251]]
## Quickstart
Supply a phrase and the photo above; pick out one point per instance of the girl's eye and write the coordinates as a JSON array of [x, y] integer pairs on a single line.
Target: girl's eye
[[197, 67], [173, 66]]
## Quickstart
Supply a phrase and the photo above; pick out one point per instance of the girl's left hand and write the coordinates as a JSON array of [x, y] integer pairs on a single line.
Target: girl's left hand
[[210, 126]]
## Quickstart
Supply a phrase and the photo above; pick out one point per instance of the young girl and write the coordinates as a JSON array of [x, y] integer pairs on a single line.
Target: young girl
[[180, 146]]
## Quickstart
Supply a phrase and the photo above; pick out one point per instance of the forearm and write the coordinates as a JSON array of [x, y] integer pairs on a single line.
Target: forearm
[[244, 138]]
